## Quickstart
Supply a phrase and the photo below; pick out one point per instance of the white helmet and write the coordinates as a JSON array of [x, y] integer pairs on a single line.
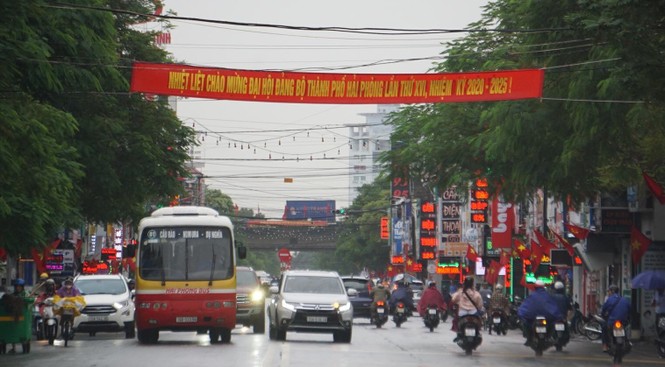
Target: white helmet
[[558, 285], [498, 287], [539, 283]]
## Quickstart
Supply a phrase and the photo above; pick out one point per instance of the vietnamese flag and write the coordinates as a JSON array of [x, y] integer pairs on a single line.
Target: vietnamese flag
[[471, 253], [492, 274], [521, 249], [579, 232], [545, 244], [536, 256], [38, 258], [565, 244], [639, 243], [655, 188], [504, 258]]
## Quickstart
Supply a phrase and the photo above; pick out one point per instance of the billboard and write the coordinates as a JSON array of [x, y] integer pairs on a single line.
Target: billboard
[[310, 210]]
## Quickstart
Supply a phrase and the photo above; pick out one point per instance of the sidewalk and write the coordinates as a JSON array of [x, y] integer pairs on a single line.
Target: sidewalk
[[643, 350]]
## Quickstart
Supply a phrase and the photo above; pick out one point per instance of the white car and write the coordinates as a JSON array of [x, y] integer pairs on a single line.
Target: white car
[[109, 306], [311, 301]]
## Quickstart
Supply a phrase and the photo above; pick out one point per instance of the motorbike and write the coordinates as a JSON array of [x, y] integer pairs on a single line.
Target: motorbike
[[37, 321], [540, 336], [400, 314], [561, 334], [468, 334], [432, 317], [618, 344], [593, 328], [379, 314], [50, 322], [514, 321], [498, 322], [660, 335]]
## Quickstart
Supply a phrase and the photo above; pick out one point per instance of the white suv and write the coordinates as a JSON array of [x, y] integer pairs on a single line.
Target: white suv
[[109, 305], [311, 301]]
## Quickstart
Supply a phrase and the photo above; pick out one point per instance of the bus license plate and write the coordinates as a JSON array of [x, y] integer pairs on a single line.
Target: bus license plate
[[186, 319], [619, 332], [559, 327], [317, 319], [541, 329]]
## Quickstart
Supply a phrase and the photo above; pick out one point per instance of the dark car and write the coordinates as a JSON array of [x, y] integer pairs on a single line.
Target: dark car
[[250, 300], [361, 302]]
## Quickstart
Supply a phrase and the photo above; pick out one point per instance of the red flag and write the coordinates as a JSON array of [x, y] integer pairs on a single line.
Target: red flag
[[579, 232], [504, 258], [655, 188], [536, 255], [545, 243], [639, 243], [565, 244], [38, 258], [54, 245], [521, 249], [471, 254], [3, 254], [492, 274]]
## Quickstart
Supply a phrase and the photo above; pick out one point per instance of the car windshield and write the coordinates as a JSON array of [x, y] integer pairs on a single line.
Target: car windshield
[[186, 253], [246, 278], [313, 284], [101, 286], [357, 284]]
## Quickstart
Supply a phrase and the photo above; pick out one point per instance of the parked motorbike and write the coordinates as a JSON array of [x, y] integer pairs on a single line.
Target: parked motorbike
[[561, 334], [400, 314], [498, 322], [618, 345], [432, 318], [540, 336], [379, 314], [468, 334], [660, 335], [593, 328]]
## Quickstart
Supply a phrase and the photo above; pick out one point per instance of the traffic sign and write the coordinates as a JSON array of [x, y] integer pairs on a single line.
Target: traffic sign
[[284, 255]]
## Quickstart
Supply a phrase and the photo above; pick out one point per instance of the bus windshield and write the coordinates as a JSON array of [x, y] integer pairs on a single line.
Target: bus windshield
[[186, 253]]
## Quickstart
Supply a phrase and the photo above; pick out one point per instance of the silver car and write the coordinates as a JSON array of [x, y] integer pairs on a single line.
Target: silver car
[[311, 301]]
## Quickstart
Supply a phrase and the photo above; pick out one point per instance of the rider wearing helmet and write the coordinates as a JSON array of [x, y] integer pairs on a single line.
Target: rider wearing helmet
[[68, 289], [19, 288], [562, 301], [378, 293]]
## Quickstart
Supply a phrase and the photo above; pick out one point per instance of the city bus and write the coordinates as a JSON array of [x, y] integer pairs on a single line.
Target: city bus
[[185, 273]]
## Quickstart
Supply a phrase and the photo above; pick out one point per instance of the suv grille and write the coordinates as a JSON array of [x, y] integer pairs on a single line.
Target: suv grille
[[242, 299], [98, 310]]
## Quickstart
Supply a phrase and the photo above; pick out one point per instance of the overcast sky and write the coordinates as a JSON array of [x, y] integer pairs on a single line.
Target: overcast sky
[[246, 141]]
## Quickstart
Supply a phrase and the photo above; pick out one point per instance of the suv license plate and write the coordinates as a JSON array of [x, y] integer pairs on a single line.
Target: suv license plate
[[186, 319], [98, 318], [317, 319]]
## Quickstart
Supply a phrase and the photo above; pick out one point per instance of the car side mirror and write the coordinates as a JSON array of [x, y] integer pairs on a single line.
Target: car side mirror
[[351, 292], [133, 293]]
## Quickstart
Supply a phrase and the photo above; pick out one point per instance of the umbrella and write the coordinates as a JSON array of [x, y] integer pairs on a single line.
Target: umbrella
[[649, 279]]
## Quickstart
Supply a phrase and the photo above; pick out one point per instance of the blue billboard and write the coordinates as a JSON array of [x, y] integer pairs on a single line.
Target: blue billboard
[[310, 210]]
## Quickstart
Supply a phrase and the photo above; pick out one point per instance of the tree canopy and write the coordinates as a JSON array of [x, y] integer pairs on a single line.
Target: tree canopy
[[75, 146], [597, 128]]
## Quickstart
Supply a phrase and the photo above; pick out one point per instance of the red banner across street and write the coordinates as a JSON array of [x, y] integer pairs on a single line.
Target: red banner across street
[[331, 88]]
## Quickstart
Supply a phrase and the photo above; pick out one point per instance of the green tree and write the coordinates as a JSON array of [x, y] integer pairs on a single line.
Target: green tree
[[581, 138], [360, 245]]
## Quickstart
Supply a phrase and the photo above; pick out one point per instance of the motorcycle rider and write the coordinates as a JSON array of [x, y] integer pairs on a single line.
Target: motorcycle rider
[[468, 301], [404, 294], [500, 302], [19, 288], [562, 301], [538, 303], [615, 308], [431, 296], [68, 289], [379, 293]]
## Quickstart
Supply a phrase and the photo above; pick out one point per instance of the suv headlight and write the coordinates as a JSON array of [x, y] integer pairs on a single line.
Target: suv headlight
[[288, 306], [257, 295], [343, 307], [121, 305]]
